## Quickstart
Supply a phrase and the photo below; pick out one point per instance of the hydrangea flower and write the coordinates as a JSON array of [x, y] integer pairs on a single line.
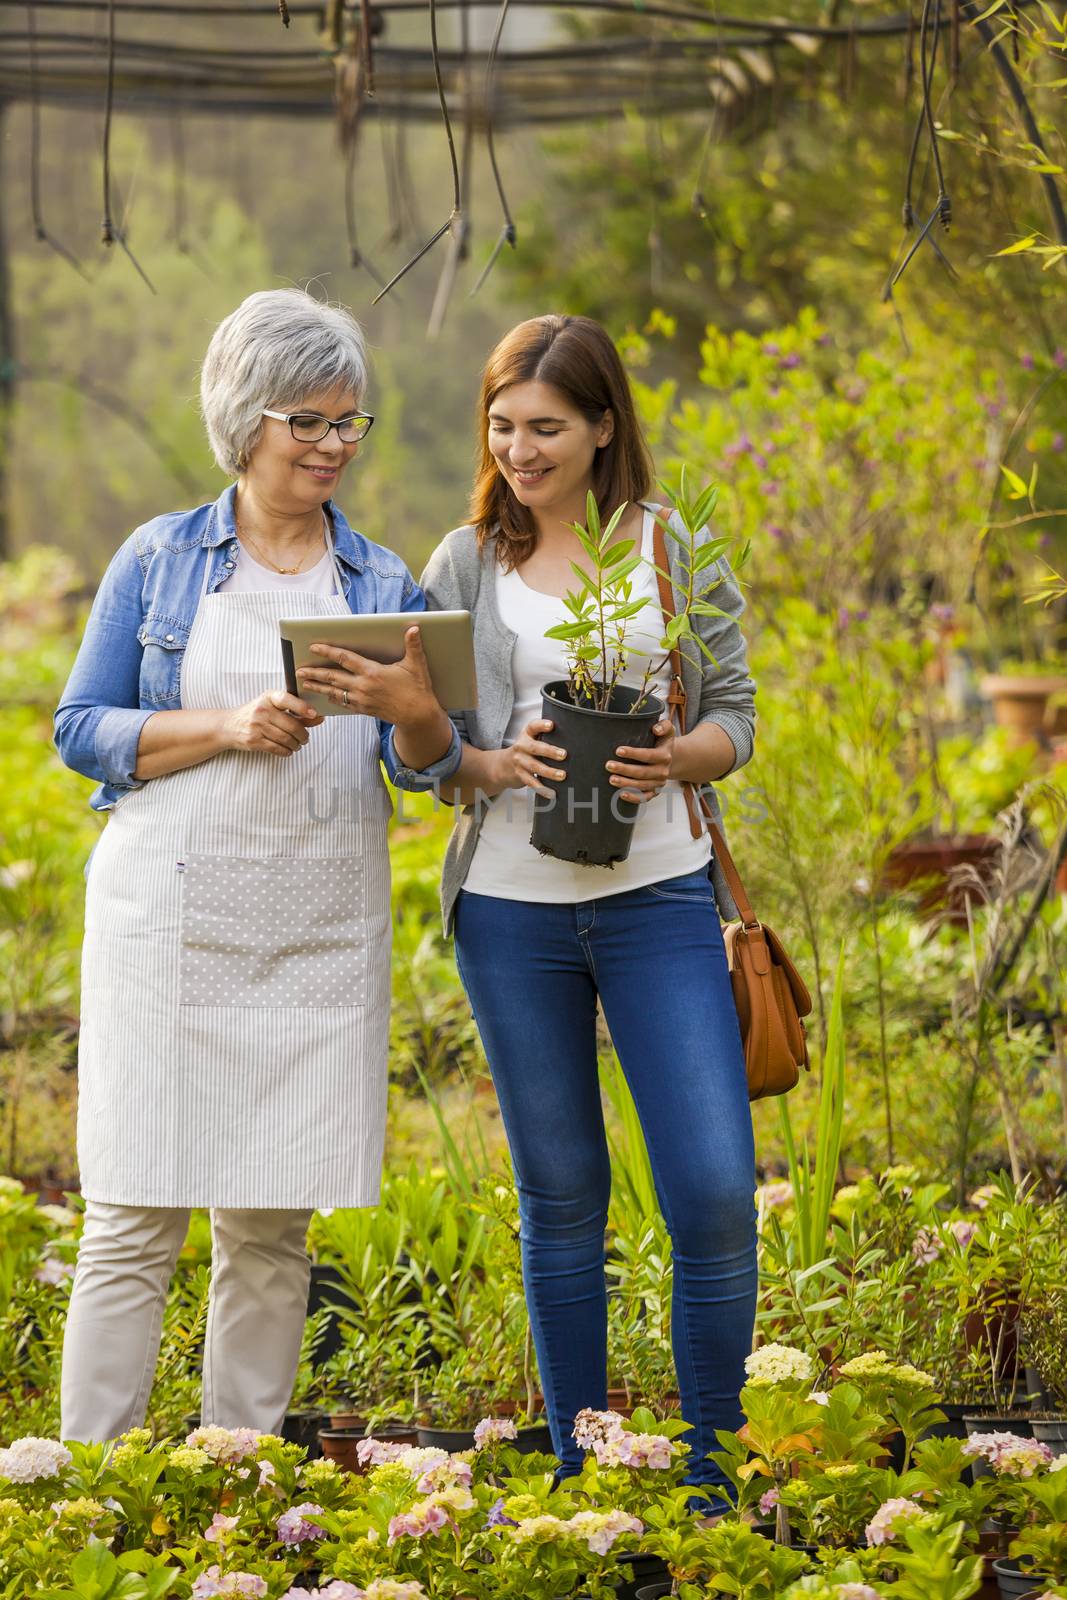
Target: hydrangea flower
[[377, 1589], [189, 1458], [297, 1525], [420, 1521], [888, 1519], [857, 1591], [497, 1517], [768, 1501], [377, 1452], [75, 1510], [213, 1582], [600, 1529], [653, 1450], [225, 1445], [776, 1194], [26, 1460], [1009, 1455], [219, 1527], [494, 1430], [778, 1363], [52, 1271], [452, 1470], [963, 1231], [1060, 1461], [593, 1426], [541, 1530], [926, 1246]]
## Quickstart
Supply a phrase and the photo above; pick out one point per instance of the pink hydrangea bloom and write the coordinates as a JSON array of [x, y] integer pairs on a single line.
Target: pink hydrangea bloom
[[26, 1460], [377, 1452], [768, 1501], [593, 1426], [926, 1246], [213, 1582], [225, 1445], [1009, 1454], [963, 1231], [453, 1470], [494, 1430], [219, 1527], [296, 1526], [886, 1522], [51, 1270], [417, 1523], [857, 1591], [653, 1450], [600, 1529]]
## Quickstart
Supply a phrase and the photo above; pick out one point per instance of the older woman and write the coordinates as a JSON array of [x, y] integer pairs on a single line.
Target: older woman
[[235, 1003]]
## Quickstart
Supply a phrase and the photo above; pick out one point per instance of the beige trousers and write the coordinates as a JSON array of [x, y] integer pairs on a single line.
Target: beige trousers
[[256, 1313]]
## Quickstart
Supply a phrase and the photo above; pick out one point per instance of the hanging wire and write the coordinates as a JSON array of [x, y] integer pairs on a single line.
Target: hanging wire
[[450, 136], [39, 229], [109, 233], [508, 234], [459, 244]]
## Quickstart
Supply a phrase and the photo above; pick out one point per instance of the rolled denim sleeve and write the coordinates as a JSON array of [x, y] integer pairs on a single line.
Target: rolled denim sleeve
[[406, 777], [99, 718]]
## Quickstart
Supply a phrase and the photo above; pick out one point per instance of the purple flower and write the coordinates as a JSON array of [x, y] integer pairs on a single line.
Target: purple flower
[[295, 1527], [1057, 442], [771, 349], [790, 361], [1059, 359], [1027, 362], [759, 461], [942, 612], [768, 487], [768, 1501], [496, 1517], [775, 531]]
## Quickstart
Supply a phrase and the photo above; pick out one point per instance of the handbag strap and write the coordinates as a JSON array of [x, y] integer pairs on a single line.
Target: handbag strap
[[676, 700]]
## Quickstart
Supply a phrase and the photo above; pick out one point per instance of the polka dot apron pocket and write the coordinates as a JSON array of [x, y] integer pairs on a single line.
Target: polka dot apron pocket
[[273, 931]]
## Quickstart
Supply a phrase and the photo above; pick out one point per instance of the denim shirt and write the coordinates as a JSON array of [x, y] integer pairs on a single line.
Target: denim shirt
[[129, 665]]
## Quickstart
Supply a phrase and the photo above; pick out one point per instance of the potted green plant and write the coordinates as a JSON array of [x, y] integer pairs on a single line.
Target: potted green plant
[[592, 711], [1045, 1335], [1029, 698]]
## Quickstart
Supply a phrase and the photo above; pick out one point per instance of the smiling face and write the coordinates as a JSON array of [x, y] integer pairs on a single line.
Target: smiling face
[[293, 476], [543, 446]]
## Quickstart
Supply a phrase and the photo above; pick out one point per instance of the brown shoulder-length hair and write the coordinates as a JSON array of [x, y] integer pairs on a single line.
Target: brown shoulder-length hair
[[576, 356]]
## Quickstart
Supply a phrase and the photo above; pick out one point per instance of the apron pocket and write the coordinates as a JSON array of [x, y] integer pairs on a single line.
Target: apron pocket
[[273, 931]]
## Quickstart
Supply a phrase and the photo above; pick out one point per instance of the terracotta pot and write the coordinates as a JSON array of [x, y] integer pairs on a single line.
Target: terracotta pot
[[934, 859], [1020, 704], [340, 1444], [348, 1421]]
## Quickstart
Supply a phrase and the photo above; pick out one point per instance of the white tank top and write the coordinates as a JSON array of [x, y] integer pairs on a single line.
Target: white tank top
[[505, 864]]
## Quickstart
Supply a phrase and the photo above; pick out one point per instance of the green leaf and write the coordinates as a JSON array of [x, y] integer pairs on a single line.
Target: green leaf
[[618, 552], [1017, 484]]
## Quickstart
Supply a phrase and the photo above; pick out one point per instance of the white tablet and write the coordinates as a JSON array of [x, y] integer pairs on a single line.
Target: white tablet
[[447, 639]]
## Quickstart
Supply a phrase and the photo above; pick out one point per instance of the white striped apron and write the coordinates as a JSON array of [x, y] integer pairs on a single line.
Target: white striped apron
[[236, 966]]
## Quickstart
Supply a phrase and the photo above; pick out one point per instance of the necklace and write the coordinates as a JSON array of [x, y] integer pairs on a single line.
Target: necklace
[[288, 572]]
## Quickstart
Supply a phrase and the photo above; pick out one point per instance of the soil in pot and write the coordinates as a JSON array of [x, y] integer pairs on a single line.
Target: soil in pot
[[586, 821], [1015, 1584], [1051, 1431]]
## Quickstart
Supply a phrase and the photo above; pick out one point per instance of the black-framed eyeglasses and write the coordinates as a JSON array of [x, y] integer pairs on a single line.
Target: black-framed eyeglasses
[[307, 427]]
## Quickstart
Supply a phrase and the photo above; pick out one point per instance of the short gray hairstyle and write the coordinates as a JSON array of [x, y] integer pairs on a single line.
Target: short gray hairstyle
[[278, 347]]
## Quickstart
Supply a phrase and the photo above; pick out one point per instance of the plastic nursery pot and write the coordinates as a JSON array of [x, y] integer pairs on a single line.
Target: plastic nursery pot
[[586, 821], [302, 1428], [653, 1591], [640, 1572], [1014, 1584], [1051, 1431], [449, 1439]]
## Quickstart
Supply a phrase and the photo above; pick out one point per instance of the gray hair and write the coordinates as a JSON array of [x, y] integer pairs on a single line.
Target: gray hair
[[278, 347]]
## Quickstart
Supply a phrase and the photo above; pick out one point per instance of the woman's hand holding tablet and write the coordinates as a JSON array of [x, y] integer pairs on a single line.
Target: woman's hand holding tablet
[[382, 664]]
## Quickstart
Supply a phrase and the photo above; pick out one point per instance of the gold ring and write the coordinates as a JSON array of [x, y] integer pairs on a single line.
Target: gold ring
[[344, 696]]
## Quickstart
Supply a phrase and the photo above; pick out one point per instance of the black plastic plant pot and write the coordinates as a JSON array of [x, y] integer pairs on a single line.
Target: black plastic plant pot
[[1051, 1431], [1013, 1583], [586, 821]]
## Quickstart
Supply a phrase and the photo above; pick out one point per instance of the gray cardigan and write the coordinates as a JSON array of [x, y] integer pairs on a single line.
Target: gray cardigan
[[459, 577]]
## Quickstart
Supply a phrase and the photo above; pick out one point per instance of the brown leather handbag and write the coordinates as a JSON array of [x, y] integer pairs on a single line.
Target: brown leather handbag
[[769, 993]]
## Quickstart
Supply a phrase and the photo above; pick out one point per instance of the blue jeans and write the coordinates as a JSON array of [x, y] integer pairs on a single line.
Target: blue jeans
[[655, 957]]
